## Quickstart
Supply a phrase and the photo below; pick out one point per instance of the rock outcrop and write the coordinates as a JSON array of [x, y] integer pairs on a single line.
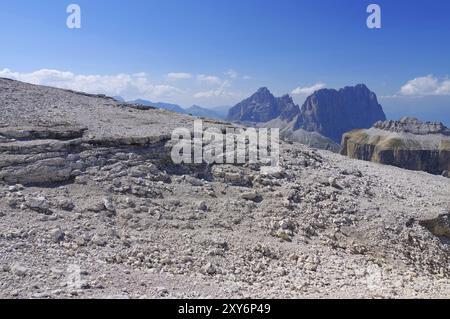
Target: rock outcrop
[[407, 143], [46, 155], [50, 135], [439, 226]]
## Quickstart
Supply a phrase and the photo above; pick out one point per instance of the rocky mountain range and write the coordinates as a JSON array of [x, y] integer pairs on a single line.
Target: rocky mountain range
[[199, 111], [218, 113], [326, 113], [92, 206], [262, 107], [407, 143]]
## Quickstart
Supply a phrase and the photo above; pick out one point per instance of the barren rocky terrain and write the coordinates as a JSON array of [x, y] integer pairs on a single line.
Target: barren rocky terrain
[[91, 206]]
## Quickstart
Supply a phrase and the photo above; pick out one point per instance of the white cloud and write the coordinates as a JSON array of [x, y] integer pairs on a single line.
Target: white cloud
[[232, 74], [220, 92], [426, 85], [209, 79], [140, 75], [308, 90], [128, 86], [208, 94], [179, 76], [221, 87], [246, 77]]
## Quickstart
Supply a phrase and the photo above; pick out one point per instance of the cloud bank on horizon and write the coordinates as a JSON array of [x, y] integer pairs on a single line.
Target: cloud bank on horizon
[[131, 86], [140, 85], [128, 86]]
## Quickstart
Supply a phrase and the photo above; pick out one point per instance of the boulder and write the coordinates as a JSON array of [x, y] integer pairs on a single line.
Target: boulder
[[439, 226]]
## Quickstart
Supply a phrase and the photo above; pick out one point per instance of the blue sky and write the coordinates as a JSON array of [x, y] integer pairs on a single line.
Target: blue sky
[[211, 52]]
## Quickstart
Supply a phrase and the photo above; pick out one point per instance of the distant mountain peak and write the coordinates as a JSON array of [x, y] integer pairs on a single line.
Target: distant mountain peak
[[362, 86], [262, 106], [263, 90], [200, 111], [287, 97], [262, 93], [328, 112]]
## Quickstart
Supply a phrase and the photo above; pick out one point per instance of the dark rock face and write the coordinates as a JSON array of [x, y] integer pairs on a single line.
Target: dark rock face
[[262, 107], [333, 113], [432, 161], [407, 143], [288, 108]]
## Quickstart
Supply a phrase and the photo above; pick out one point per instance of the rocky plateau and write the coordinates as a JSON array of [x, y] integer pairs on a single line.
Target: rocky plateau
[[407, 143]]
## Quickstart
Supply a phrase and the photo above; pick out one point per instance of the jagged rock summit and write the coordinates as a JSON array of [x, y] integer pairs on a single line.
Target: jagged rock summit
[[327, 113], [262, 107], [408, 143]]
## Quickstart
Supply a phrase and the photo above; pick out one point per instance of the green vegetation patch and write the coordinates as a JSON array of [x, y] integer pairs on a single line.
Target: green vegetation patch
[[395, 143], [359, 136], [445, 145]]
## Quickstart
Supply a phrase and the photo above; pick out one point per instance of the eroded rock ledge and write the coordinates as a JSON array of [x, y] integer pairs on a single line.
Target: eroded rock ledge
[[61, 152]]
